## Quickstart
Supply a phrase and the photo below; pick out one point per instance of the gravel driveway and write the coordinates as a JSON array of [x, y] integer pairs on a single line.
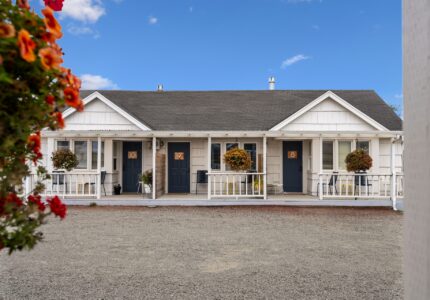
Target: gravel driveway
[[211, 253]]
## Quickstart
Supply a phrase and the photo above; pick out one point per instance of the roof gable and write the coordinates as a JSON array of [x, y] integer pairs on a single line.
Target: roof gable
[[329, 112], [101, 114]]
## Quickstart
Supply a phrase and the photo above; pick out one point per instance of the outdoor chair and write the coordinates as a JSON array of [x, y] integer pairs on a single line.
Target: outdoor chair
[[331, 184], [201, 177], [362, 180], [102, 181]]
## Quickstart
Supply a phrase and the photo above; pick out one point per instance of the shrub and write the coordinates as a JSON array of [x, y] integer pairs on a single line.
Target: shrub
[[64, 159], [358, 160], [238, 159]]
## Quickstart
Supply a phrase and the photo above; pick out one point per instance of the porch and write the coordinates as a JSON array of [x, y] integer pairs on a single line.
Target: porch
[[279, 169]]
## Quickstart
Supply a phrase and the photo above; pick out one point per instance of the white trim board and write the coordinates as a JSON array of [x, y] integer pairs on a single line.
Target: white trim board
[[340, 101], [97, 95]]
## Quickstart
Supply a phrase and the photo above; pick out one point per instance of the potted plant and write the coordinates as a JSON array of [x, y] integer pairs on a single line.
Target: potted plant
[[117, 189], [64, 159], [146, 179], [359, 161]]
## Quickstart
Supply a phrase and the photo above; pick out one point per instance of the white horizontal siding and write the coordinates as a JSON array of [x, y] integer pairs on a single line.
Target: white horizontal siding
[[328, 116], [98, 116]]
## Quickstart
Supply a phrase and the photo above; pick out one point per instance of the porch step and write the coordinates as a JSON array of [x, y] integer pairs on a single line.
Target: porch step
[[242, 202]]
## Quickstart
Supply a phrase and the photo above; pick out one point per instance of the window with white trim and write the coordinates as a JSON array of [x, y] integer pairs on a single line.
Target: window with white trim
[[343, 149], [63, 145], [81, 151], [251, 148], [94, 150], [363, 145], [328, 152], [216, 156]]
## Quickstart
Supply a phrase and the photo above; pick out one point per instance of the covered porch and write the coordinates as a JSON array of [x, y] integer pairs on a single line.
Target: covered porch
[[280, 171]]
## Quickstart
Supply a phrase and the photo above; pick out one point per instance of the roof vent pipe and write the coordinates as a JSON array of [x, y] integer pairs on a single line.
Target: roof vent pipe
[[159, 88], [271, 83]]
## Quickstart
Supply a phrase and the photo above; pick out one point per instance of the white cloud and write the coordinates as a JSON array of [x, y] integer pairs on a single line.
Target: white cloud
[[152, 20], [97, 82], [82, 30], [83, 10], [294, 59]]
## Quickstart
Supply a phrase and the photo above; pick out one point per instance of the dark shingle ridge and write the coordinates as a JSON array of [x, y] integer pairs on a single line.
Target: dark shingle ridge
[[236, 109]]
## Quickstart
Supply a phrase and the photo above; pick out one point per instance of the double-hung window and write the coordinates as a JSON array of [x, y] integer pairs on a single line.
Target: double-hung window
[[63, 145], [251, 148], [81, 152], [363, 145], [343, 149], [216, 156], [94, 150], [230, 146], [328, 151]]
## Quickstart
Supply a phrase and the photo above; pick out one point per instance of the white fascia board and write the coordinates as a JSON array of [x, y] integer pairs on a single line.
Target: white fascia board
[[97, 95], [339, 100]]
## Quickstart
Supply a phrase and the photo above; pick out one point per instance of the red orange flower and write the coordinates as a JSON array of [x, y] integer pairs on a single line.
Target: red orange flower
[[37, 199], [23, 4], [26, 46], [34, 142], [48, 37], [57, 207], [49, 58], [71, 97], [7, 30], [11, 200], [51, 23], [59, 119], [50, 99]]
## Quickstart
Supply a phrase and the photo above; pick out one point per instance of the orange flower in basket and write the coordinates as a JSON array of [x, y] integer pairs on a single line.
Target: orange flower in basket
[[7, 30], [51, 23], [50, 58], [26, 46]]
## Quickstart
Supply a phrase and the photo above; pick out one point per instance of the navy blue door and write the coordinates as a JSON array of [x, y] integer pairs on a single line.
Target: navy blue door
[[131, 165], [292, 167], [179, 167]]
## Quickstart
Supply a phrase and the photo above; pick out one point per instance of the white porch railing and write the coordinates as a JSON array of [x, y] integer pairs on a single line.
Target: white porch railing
[[66, 184], [360, 186], [236, 185]]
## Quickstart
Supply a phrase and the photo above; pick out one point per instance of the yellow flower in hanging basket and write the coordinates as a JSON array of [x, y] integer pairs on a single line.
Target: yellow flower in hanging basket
[[238, 159]]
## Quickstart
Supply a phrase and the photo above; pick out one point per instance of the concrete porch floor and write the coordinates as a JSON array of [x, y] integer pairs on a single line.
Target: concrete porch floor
[[201, 200]]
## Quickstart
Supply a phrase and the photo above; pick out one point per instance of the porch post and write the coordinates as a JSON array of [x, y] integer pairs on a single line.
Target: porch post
[[154, 175], [99, 166], [393, 188], [209, 166], [320, 179], [265, 167]]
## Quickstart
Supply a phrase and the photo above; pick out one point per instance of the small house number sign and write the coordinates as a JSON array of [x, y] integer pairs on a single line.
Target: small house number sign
[[292, 154], [179, 156], [132, 154]]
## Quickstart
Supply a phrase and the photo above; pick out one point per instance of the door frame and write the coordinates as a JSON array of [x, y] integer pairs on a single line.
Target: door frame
[[175, 141], [302, 164]]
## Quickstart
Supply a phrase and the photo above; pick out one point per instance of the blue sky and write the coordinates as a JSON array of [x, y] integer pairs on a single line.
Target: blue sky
[[220, 44]]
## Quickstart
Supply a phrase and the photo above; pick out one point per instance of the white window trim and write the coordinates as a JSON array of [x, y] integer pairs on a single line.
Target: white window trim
[[89, 151], [336, 152]]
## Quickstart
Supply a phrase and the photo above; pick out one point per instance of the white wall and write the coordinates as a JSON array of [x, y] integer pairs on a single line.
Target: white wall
[[328, 116]]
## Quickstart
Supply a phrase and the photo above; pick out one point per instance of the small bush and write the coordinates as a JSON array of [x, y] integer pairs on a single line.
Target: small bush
[[93, 204], [358, 160]]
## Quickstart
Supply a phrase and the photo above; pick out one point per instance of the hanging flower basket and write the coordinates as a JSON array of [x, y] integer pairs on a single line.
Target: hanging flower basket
[[358, 160], [238, 159], [64, 159]]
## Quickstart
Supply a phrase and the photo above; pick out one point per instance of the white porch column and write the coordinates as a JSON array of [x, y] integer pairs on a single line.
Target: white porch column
[[209, 166], [265, 167], [393, 188], [154, 175], [320, 179], [99, 166]]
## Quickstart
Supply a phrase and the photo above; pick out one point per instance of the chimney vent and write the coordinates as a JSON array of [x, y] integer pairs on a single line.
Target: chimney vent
[[159, 88], [271, 83]]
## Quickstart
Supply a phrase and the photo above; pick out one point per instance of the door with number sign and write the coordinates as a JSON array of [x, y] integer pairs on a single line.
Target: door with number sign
[[292, 167]]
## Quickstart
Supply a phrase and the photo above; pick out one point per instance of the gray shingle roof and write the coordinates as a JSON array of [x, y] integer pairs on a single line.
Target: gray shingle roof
[[236, 110]]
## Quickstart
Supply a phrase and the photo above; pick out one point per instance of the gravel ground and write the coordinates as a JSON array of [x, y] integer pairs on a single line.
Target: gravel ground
[[211, 253]]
